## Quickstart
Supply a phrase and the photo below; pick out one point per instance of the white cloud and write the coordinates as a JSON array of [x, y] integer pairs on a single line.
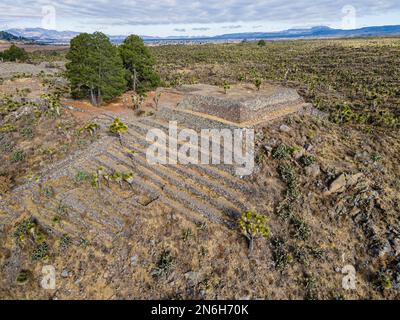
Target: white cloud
[[127, 15]]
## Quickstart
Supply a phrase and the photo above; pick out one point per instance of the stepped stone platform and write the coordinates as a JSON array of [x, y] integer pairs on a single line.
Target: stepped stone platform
[[210, 193], [206, 106]]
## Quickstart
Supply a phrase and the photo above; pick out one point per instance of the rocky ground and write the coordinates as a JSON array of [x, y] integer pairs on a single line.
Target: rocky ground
[[329, 192]]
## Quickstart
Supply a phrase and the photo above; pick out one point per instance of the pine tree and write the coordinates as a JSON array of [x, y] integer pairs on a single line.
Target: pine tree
[[95, 68], [139, 64]]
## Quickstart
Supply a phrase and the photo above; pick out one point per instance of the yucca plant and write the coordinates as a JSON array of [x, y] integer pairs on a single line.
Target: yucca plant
[[226, 87], [90, 127], [128, 178], [103, 175], [118, 178], [253, 225], [117, 128], [156, 100]]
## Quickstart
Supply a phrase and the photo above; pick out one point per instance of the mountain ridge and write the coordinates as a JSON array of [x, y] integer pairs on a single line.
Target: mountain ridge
[[7, 36], [63, 37]]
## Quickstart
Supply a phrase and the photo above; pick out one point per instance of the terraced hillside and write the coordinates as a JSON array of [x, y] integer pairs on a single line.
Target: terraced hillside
[[67, 201], [115, 227]]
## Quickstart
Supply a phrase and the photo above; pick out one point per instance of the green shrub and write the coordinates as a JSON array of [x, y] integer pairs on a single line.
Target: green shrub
[[262, 43], [18, 156], [40, 252], [27, 132], [307, 160], [301, 229], [280, 253], [23, 277], [282, 152], [14, 53], [82, 176], [165, 265], [289, 176]]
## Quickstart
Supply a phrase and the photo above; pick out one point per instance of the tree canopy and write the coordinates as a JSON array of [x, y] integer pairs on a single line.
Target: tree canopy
[[14, 53], [95, 68], [139, 64], [262, 43]]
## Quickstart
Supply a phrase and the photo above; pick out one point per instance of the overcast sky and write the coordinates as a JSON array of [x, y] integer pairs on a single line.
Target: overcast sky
[[201, 17]]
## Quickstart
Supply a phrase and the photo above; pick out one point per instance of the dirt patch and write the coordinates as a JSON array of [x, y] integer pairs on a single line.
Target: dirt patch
[[34, 47], [11, 69], [30, 88]]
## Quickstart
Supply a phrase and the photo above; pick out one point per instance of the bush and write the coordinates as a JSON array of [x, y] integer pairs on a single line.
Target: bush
[[165, 265], [289, 176], [18, 156], [261, 43], [282, 152], [14, 53]]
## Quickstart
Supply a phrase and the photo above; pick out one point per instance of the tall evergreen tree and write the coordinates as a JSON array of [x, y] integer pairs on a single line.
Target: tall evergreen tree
[[139, 64], [95, 68]]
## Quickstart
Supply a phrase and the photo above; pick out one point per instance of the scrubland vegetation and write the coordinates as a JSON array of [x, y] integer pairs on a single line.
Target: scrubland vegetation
[[325, 189], [355, 80]]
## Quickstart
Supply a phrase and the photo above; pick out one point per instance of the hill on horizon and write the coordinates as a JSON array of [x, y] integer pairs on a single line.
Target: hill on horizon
[[7, 36], [62, 37]]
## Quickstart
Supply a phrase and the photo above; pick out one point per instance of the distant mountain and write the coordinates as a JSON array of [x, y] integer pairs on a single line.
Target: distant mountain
[[57, 37], [316, 32], [10, 37], [44, 35], [63, 37]]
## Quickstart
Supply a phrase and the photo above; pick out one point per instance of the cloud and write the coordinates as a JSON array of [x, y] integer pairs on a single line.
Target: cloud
[[179, 30], [160, 12], [232, 27], [201, 29]]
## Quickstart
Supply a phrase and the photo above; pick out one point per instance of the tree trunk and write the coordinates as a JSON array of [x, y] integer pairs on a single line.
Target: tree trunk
[[93, 98], [251, 244], [134, 79], [99, 100], [120, 139]]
